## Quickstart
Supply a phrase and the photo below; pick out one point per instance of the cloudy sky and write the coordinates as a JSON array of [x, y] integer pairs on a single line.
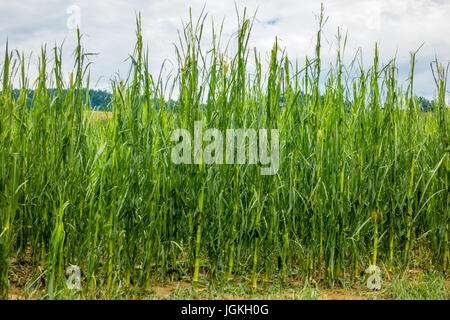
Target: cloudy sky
[[399, 26]]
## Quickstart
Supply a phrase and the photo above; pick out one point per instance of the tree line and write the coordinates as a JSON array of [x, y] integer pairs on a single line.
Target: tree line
[[100, 100]]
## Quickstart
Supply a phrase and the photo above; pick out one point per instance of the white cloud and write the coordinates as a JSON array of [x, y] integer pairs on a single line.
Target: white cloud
[[399, 26]]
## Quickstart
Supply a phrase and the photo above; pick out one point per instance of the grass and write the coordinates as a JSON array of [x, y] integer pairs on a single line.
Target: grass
[[99, 115], [363, 177], [415, 284]]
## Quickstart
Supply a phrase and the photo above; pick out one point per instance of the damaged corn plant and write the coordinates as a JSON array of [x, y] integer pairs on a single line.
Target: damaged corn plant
[[363, 173]]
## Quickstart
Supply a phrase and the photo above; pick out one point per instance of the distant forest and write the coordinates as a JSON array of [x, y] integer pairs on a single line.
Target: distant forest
[[100, 100]]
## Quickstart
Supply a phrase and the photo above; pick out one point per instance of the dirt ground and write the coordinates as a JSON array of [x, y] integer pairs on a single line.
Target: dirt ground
[[28, 282]]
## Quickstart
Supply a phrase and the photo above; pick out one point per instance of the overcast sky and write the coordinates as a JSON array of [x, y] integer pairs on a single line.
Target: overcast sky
[[399, 26]]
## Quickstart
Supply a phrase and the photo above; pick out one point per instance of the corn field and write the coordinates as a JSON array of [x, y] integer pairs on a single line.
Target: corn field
[[363, 177]]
